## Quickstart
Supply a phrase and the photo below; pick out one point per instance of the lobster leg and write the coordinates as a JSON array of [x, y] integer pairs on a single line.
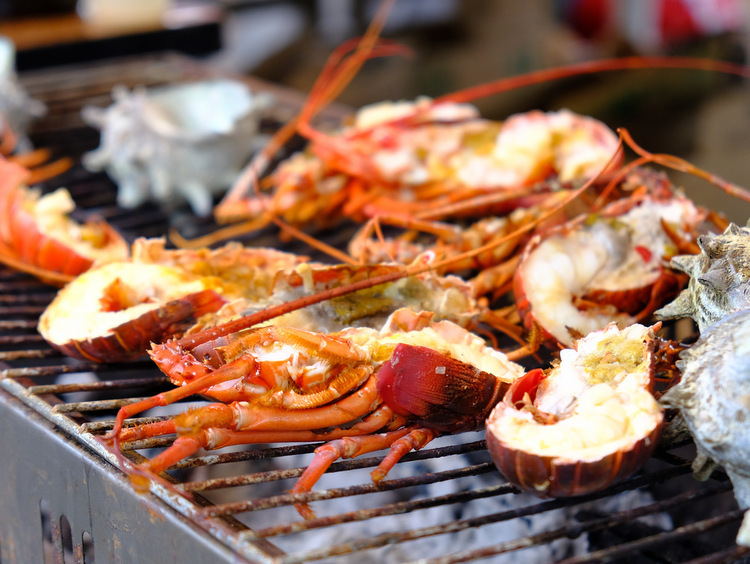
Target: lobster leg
[[245, 416], [413, 440], [146, 431], [227, 372], [210, 439], [347, 447]]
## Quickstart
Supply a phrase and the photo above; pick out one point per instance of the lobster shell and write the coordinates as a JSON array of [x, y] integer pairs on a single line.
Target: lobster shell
[[112, 313], [439, 391], [543, 453], [578, 252]]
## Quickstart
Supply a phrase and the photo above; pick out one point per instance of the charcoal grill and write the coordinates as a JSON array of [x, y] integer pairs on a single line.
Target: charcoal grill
[[63, 497]]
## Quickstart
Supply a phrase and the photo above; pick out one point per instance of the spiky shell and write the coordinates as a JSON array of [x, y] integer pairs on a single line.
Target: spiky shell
[[719, 278], [713, 396], [186, 141]]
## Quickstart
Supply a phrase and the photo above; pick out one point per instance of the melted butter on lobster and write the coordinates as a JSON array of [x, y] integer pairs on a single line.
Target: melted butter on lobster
[[585, 424]]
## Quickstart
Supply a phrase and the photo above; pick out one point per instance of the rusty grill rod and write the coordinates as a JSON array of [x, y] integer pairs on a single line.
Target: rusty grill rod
[[41, 371], [37, 299], [20, 339], [390, 509], [455, 526], [102, 385], [97, 405], [385, 485], [306, 449], [35, 310], [16, 324], [661, 538]]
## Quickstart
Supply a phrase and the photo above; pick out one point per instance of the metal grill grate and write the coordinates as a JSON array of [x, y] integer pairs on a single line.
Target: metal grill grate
[[443, 504]]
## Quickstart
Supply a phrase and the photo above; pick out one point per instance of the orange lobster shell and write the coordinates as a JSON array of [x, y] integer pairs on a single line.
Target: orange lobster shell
[[37, 236]]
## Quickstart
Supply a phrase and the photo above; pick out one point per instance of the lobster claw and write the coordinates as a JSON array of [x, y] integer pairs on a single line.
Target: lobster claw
[[439, 391]]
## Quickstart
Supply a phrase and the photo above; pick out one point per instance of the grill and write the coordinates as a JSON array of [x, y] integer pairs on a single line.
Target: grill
[[64, 498]]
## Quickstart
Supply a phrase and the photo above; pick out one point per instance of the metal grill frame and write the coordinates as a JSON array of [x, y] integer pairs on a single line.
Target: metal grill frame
[[51, 453]]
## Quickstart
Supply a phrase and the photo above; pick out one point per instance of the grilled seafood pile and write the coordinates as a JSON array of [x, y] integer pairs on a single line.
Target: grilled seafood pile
[[293, 351], [412, 158]]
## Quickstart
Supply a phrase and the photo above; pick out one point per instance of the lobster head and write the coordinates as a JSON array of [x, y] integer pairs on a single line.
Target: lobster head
[[439, 391]]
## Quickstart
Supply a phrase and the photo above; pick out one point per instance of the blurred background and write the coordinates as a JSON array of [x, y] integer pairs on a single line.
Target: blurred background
[[700, 116]]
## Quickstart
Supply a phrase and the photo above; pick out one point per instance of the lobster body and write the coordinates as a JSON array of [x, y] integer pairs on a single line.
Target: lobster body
[[360, 389]]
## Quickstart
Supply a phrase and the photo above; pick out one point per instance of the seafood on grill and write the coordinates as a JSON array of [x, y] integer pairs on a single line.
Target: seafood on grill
[[114, 311], [719, 278], [38, 236], [585, 424], [605, 267], [712, 397], [178, 142], [410, 157], [360, 390], [490, 272], [416, 157], [416, 286]]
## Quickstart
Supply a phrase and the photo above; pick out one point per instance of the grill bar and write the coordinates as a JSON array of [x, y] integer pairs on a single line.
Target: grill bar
[[455, 526], [98, 386], [602, 523], [348, 465], [679, 533], [385, 485]]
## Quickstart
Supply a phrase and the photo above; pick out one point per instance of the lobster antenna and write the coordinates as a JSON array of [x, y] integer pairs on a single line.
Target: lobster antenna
[[410, 270], [337, 72], [682, 165], [592, 67]]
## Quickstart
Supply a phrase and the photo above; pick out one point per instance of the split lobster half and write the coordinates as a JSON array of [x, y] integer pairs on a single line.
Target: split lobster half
[[584, 425], [609, 266], [114, 311], [37, 235]]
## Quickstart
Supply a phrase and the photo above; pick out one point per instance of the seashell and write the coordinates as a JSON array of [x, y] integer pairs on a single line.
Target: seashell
[[17, 108], [719, 278], [186, 141], [713, 397]]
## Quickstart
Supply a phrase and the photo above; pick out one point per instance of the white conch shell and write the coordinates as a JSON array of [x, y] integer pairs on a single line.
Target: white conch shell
[[188, 140], [17, 108]]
